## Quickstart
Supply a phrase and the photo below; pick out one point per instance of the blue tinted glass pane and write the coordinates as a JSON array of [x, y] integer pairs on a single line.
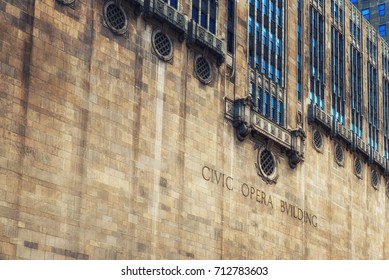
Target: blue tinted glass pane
[[260, 99], [212, 26], [267, 105], [366, 13], [381, 9], [264, 66], [230, 8], [382, 30], [173, 3], [195, 14], [281, 113], [274, 108], [203, 20]]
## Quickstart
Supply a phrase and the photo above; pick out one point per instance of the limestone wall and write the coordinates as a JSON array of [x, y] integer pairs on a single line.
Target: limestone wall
[[107, 152]]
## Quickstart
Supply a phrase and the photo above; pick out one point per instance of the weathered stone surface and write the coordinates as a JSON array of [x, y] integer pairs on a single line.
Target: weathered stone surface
[[103, 148]]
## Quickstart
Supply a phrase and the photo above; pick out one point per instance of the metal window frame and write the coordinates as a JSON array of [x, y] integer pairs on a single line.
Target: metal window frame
[[261, 58], [208, 10]]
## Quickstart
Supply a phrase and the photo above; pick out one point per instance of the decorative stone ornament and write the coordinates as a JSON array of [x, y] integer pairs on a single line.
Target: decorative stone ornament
[[247, 121], [296, 154]]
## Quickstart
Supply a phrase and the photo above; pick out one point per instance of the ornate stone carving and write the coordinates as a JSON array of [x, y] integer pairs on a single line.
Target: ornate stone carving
[[247, 121]]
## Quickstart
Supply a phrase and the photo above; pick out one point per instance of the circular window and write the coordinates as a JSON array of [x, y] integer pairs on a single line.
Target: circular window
[[203, 69], [339, 155], [267, 163], [162, 45], [317, 140], [358, 167], [115, 17], [374, 179]]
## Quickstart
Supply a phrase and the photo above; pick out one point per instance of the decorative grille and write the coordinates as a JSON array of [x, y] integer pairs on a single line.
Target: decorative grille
[[268, 163], [339, 155], [358, 167], [203, 69], [374, 179], [163, 46], [115, 17], [317, 140]]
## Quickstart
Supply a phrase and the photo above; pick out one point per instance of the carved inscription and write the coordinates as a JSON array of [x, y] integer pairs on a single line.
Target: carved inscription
[[217, 178], [257, 195]]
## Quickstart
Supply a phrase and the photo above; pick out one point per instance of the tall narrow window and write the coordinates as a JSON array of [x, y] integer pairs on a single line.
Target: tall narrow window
[[281, 113], [299, 49], [266, 55], [317, 79], [230, 25], [356, 91], [266, 104], [385, 91], [355, 31], [204, 13], [372, 88], [337, 75], [337, 10]]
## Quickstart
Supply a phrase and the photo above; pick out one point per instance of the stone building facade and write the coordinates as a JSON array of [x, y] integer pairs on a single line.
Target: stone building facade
[[149, 129], [377, 13]]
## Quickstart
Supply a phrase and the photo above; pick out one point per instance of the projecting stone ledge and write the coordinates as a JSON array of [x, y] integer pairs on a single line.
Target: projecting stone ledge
[[341, 132], [247, 121], [203, 38], [163, 12]]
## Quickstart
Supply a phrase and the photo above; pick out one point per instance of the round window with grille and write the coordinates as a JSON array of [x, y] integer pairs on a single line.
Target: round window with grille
[[317, 140], [162, 45], [339, 155], [358, 167], [267, 164], [375, 179], [203, 69], [115, 17]]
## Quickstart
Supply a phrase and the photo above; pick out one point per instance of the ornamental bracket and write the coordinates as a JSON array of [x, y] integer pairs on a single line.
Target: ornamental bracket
[[247, 121], [296, 154]]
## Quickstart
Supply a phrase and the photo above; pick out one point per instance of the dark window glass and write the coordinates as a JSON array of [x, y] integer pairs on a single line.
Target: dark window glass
[[265, 53], [173, 3], [195, 14]]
